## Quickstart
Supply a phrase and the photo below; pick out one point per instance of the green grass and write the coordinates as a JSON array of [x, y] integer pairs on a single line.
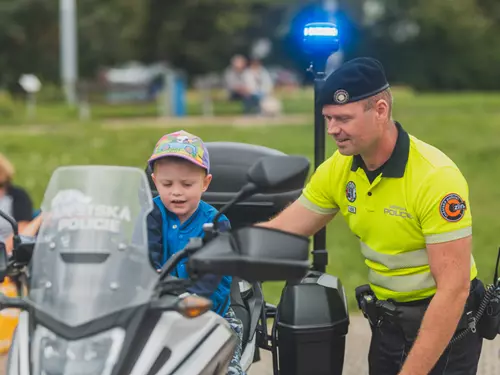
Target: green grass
[[465, 126], [58, 113]]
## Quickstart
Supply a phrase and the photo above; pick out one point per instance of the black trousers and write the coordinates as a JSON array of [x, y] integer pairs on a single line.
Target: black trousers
[[391, 344], [392, 340]]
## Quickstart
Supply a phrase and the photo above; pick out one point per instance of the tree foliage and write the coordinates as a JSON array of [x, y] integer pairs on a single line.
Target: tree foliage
[[429, 44], [445, 44]]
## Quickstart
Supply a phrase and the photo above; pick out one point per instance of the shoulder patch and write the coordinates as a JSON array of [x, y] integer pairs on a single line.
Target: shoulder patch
[[452, 207]]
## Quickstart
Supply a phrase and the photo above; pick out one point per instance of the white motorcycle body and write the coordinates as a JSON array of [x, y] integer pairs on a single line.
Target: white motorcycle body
[[93, 305]]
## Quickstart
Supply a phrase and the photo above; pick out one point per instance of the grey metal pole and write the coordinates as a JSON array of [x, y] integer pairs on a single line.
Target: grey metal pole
[[336, 58], [330, 6], [320, 254], [323, 68], [68, 48]]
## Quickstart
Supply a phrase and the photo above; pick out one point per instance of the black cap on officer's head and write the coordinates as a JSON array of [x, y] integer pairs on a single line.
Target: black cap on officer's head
[[355, 80]]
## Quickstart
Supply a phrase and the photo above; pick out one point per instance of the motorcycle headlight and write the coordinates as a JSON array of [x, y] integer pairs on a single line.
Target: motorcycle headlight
[[94, 355]]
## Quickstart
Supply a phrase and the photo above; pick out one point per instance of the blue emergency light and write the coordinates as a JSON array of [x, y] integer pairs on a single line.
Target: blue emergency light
[[321, 38]]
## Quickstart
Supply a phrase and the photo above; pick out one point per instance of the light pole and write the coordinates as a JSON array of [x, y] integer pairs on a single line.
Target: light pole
[[321, 39], [68, 49]]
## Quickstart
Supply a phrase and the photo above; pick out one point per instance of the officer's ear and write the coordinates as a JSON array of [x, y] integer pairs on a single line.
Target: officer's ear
[[382, 109]]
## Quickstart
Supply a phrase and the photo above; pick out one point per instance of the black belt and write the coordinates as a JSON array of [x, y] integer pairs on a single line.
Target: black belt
[[410, 313]]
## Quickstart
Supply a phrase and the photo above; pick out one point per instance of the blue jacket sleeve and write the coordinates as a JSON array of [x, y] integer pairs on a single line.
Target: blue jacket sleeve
[[155, 238], [214, 286]]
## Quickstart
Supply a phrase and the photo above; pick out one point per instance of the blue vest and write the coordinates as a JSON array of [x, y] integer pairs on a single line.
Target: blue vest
[[175, 236]]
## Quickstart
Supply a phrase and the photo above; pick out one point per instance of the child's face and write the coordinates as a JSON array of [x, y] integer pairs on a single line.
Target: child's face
[[180, 185]]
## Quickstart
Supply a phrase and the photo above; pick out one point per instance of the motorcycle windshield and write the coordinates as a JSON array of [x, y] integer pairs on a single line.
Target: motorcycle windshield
[[91, 256]]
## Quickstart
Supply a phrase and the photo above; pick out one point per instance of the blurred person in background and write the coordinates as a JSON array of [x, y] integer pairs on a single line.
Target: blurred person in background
[[259, 83], [14, 200], [236, 85]]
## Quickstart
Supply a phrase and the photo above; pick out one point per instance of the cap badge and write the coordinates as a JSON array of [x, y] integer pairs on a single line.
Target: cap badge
[[340, 97]]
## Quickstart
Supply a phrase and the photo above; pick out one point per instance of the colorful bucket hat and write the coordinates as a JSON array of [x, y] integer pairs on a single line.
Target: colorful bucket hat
[[183, 145]]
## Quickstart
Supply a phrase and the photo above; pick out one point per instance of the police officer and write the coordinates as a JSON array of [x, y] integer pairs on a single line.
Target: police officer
[[408, 204]]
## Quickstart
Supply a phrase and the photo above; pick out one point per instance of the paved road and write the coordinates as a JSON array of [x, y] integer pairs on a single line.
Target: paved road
[[358, 340]]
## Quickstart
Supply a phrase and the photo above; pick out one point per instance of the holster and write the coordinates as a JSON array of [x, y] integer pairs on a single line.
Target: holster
[[409, 315], [373, 309], [367, 303]]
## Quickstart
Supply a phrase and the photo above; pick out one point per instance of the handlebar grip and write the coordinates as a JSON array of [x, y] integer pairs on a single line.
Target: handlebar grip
[[12, 303]]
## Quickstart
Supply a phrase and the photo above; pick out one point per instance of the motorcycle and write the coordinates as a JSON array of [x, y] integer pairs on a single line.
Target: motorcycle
[[93, 302]]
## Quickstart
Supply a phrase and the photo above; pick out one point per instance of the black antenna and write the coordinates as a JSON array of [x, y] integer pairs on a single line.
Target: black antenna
[[495, 278]]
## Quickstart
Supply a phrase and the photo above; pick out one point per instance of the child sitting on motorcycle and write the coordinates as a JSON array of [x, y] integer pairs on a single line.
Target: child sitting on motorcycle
[[181, 173]]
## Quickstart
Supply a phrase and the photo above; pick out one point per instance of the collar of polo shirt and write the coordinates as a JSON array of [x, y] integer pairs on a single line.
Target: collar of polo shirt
[[395, 166]]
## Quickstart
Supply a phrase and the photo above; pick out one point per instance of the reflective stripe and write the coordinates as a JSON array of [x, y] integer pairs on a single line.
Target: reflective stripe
[[405, 283], [415, 258], [449, 236], [315, 208]]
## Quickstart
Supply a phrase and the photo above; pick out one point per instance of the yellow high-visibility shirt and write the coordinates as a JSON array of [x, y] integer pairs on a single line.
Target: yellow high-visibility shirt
[[420, 198]]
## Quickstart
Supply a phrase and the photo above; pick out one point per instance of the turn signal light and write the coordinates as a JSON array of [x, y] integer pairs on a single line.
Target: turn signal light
[[193, 306]]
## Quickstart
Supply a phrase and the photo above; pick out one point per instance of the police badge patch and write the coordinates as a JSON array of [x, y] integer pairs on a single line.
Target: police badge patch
[[340, 96], [350, 191]]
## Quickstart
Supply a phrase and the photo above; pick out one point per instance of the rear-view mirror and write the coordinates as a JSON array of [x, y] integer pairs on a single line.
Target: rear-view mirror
[[273, 174], [24, 251], [3, 261], [253, 254]]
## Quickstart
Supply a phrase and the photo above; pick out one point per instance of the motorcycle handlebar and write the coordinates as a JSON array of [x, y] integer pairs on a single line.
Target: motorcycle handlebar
[[193, 245], [12, 303]]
